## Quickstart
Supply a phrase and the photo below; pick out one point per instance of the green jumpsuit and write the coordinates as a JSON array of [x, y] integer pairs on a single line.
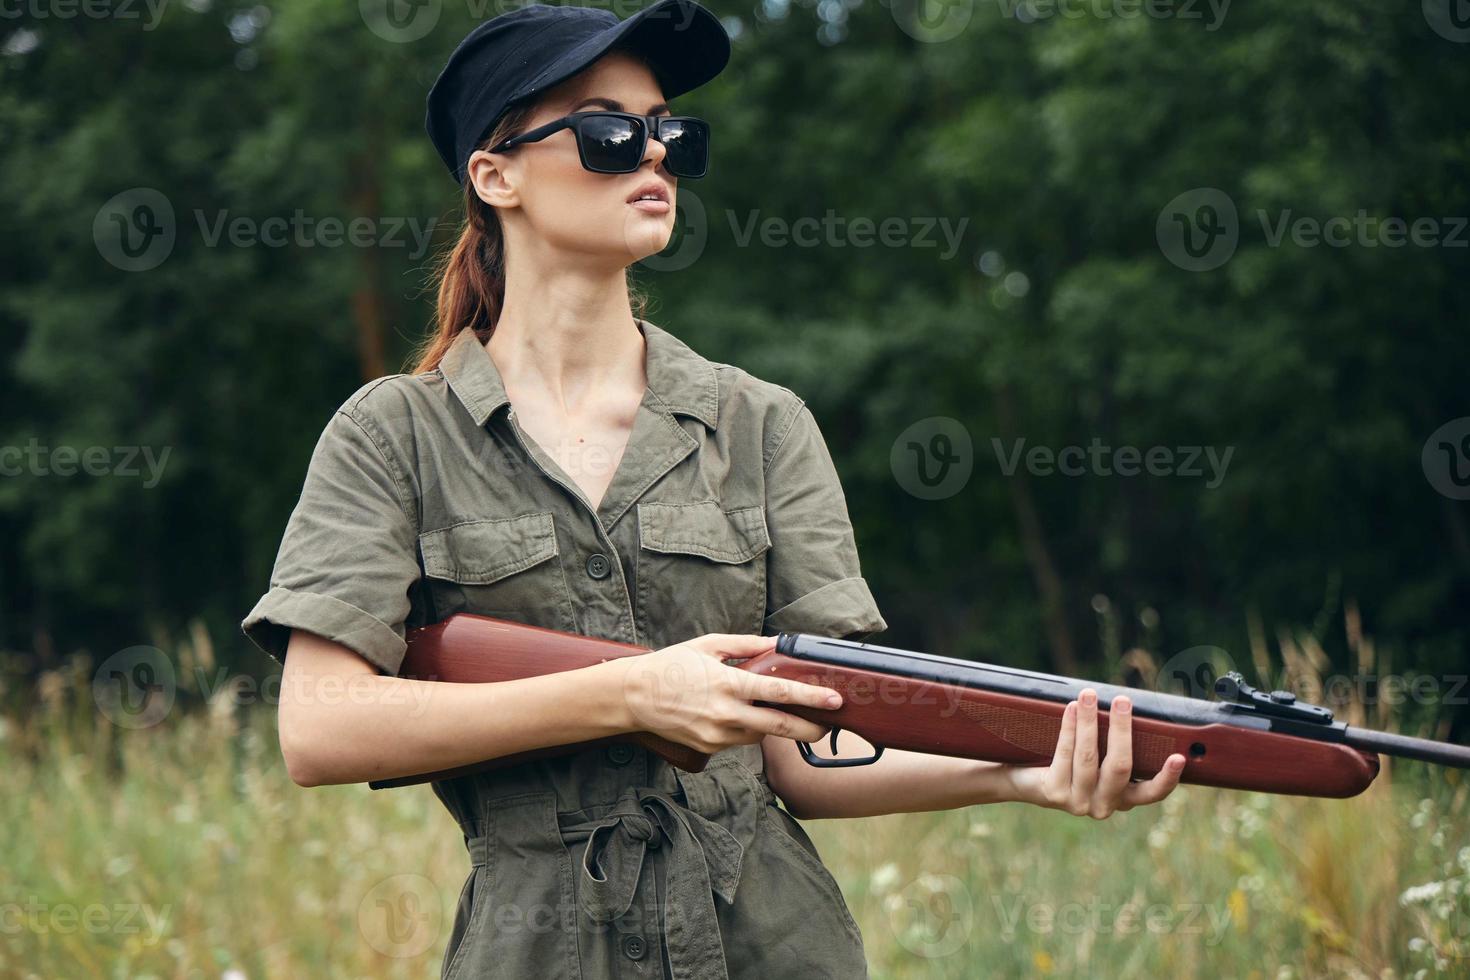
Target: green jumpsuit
[[424, 497]]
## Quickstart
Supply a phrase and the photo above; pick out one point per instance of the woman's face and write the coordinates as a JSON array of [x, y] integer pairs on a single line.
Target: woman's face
[[555, 211]]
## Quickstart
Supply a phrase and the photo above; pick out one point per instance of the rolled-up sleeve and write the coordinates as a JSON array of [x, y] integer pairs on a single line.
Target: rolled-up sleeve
[[814, 580], [348, 558]]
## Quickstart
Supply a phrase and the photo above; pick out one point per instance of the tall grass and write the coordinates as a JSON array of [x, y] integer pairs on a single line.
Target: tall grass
[[183, 850]]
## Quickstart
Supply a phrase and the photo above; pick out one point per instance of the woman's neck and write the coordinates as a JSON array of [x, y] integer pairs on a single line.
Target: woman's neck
[[572, 356]]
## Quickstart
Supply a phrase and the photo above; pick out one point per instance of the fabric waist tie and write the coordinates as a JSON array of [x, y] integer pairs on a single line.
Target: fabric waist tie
[[703, 861]]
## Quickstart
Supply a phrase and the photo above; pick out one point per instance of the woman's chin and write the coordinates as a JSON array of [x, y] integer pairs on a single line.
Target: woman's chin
[[648, 236]]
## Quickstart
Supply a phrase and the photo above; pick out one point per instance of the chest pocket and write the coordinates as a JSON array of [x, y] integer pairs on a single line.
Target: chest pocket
[[701, 569], [507, 567]]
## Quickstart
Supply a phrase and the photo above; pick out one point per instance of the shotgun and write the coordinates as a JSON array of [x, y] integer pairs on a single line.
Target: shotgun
[[919, 702]]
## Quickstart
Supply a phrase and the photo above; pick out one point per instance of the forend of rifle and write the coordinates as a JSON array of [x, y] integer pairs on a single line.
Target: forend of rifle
[[904, 699]]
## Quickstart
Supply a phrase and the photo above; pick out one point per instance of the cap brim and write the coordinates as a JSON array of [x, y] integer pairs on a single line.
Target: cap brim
[[683, 43]]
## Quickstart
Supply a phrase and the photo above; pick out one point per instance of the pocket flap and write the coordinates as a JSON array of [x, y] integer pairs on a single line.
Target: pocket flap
[[481, 552], [703, 528]]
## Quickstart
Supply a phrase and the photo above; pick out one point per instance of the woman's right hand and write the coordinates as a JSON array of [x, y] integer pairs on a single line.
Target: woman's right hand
[[686, 693]]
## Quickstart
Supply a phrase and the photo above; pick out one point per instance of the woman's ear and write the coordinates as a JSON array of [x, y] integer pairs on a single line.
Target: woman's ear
[[492, 184]]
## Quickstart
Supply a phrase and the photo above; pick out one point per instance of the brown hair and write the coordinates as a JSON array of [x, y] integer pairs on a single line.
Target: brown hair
[[471, 273]]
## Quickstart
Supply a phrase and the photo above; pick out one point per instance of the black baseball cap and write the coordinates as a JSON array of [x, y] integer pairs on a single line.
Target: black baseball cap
[[518, 54]]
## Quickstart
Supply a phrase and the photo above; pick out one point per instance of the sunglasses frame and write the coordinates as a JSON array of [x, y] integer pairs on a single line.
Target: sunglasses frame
[[650, 127]]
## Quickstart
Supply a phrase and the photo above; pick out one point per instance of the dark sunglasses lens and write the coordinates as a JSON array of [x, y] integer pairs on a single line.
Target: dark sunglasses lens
[[687, 143], [611, 144]]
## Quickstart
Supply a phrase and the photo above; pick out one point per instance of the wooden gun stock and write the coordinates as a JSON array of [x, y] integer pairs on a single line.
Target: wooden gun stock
[[470, 649]]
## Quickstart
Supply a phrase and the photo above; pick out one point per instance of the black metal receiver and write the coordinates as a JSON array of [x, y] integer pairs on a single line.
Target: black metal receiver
[[1240, 704], [1283, 704]]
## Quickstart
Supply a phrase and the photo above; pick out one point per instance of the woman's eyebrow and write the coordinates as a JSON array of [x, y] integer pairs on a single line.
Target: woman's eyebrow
[[617, 106]]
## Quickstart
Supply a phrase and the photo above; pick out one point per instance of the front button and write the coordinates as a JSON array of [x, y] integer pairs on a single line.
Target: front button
[[598, 566], [634, 947], [620, 754]]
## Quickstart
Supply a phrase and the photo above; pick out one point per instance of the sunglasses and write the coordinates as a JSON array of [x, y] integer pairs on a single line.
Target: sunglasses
[[613, 142]]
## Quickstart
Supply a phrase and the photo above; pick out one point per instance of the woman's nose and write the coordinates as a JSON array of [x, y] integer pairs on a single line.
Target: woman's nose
[[654, 151]]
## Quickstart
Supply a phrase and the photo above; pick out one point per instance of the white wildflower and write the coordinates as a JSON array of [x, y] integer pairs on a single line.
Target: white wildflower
[[1422, 893], [884, 878]]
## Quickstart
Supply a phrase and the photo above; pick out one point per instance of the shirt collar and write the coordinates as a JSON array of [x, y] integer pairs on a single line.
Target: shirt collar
[[681, 378]]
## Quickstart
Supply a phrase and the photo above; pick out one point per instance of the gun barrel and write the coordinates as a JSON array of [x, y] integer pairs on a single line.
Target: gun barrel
[[1424, 749]]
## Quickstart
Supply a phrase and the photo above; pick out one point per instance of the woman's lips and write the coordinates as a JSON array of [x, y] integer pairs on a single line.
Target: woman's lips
[[652, 207]]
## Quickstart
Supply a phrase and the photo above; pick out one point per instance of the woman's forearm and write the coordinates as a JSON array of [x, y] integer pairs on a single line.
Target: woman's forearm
[[342, 722], [899, 782]]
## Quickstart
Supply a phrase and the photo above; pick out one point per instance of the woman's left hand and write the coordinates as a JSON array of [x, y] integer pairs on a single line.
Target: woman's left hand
[[1076, 783]]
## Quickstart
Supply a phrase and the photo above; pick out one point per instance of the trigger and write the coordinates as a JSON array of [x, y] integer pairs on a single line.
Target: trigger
[[834, 738]]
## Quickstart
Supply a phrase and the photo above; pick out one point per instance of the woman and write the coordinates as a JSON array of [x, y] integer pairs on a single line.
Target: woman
[[558, 461]]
